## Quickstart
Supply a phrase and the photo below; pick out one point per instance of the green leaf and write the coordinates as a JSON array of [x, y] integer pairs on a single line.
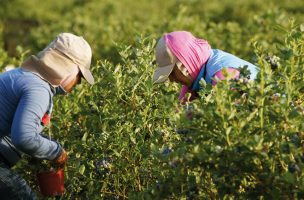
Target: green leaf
[[84, 137], [81, 169], [302, 27], [116, 153], [289, 177]]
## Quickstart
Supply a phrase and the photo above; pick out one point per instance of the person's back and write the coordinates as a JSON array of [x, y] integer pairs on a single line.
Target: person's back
[[219, 60], [13, 85]]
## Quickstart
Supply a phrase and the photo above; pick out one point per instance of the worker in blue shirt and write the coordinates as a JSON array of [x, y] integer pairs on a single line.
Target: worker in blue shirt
[[26, 104]]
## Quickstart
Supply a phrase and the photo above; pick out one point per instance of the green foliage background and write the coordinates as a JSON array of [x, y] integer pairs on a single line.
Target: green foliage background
[[124, 137]]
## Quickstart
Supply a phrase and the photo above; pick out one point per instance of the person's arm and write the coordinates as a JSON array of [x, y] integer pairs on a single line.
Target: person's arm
[[26, 125], [220, 75]]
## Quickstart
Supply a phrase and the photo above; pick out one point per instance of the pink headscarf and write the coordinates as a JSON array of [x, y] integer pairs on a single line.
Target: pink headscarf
[[191, 51]]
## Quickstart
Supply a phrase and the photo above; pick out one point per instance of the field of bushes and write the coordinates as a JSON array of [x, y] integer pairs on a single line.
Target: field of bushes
[[123, 134]]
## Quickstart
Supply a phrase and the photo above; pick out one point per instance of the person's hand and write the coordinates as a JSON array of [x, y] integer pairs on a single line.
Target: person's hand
[[189, 112], [61, 160]]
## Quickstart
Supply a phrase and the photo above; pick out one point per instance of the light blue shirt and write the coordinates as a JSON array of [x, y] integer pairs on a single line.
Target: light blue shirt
[[24, 99], [219, 60]]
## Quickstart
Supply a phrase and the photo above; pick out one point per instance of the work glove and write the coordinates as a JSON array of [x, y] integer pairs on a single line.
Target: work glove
[[61, 160]]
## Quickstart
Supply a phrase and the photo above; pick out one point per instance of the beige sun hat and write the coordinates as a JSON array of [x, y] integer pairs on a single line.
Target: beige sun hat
[[60, 57], [165, 61]]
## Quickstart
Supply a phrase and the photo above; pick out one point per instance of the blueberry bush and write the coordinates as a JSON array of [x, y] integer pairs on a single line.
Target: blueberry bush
[[124, 135]]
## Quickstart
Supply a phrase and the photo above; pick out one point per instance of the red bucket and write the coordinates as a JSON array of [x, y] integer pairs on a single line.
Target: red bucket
[[51, 183]]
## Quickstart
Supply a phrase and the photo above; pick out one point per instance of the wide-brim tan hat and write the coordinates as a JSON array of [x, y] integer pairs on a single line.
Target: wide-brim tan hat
[[165, 61], [59, 59]]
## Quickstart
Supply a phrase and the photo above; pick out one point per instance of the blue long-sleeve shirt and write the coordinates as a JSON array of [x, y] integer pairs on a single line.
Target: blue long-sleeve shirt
[[24, 99], [219, 60]]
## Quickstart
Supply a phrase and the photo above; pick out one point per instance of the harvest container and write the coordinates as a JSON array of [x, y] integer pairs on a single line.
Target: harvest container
[[51, 183]]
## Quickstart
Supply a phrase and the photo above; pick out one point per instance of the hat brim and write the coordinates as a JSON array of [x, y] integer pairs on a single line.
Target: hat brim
[[87, 75], [162, 73]]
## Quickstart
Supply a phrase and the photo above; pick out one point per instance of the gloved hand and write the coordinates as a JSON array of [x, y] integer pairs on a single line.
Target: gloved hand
[[61, 160]]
